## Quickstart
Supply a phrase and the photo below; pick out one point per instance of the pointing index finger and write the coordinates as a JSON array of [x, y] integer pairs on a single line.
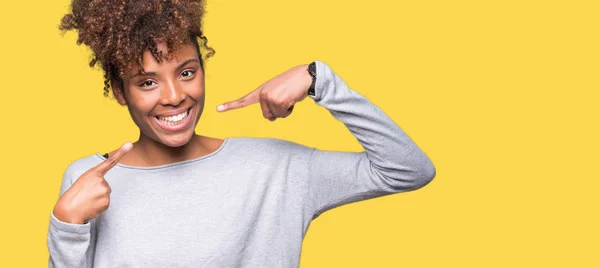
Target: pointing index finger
[[112, 160], [250, 98]]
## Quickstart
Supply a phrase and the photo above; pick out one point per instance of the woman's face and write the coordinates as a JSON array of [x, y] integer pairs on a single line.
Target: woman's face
[[166, 102]]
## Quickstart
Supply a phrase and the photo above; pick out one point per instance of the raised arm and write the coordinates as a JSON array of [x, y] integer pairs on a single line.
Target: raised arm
[[390, 163]]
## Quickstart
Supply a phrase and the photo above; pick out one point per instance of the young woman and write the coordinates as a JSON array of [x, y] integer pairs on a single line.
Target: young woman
[[175, 198]]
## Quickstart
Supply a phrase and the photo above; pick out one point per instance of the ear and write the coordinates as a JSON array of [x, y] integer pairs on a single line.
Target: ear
[[118, 91]]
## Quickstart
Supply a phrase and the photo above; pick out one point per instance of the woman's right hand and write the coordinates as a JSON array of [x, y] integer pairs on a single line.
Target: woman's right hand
[[89, 196]]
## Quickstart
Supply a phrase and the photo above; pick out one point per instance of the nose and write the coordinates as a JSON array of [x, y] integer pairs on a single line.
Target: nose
[[172, 94]]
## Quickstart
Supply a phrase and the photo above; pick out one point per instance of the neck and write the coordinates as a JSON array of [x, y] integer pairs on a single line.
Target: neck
[[152, 153]]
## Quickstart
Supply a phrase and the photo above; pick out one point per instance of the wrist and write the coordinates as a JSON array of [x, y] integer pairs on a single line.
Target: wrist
[[65, 215], [312, 71]]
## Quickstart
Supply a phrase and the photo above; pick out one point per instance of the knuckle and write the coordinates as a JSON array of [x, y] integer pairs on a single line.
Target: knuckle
[[289, 104], [106, 190], [105, 202], [269, 116], [264, 94], [280, 101], [86, 176], [99, 179]]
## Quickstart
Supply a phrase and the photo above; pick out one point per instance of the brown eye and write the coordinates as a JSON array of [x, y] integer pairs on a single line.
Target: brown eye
[[148, 83], [187, 73]]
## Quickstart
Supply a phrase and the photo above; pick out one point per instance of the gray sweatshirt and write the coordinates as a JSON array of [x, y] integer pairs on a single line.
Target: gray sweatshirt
[[249, 203]]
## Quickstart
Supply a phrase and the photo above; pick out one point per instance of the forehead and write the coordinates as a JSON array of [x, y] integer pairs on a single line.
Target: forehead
[[150, 64]]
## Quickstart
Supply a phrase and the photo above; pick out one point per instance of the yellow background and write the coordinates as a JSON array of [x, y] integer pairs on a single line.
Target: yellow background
[[501, 95]]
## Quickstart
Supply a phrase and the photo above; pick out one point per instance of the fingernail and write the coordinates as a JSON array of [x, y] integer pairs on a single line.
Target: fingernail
[[127, 146], [220, 107]]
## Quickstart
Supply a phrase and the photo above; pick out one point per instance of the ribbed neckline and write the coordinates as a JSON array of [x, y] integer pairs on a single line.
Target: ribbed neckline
[[225, 141]]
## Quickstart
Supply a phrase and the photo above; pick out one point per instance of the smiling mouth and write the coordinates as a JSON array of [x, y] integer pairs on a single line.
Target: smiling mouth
[[175, 122]]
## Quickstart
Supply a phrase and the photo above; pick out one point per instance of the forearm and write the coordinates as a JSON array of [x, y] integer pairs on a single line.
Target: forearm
[[391, 152], [68, 244]]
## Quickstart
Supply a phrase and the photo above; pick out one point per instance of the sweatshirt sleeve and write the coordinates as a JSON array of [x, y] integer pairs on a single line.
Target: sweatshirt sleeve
[[390, 163], [70, 245]]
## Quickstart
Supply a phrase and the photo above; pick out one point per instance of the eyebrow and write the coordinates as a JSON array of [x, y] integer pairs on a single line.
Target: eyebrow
[[179, 67]]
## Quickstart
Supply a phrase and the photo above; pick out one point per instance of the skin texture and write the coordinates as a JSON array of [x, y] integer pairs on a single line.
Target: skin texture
[[167, 86], [171, 85]]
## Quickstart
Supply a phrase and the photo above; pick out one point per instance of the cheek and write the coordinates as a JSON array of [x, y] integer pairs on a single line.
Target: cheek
[[196, 91], [141, 104]]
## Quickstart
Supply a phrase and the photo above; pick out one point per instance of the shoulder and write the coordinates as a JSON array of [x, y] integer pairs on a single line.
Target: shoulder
[[80, 166], [76, 169], [271, 145], [270, 153]]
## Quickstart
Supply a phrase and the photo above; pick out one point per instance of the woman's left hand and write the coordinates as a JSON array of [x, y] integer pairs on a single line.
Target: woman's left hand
[[276, 96]]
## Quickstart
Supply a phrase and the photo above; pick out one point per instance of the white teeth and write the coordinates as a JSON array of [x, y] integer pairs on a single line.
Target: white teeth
[[174, 118]]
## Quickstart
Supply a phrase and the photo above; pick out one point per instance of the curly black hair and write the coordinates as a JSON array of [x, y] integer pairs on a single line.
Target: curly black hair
[[119, 31]]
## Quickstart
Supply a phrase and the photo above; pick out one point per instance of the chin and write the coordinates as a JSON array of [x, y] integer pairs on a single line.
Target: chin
[[176, 140]]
